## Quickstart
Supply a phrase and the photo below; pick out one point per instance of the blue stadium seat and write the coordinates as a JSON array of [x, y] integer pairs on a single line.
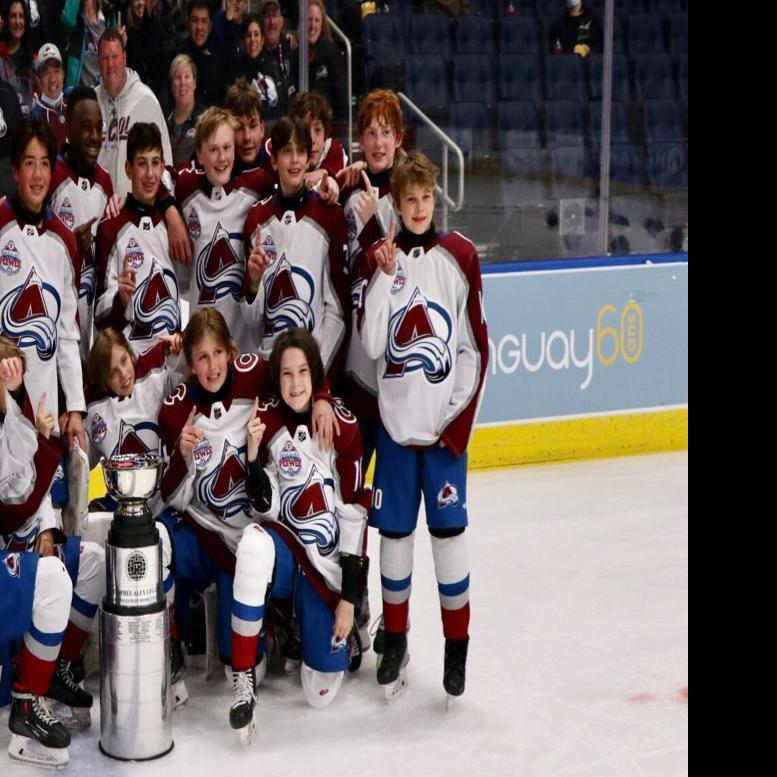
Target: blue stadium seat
[[654, 77], [621, 83], [678, 33], [663, 121], [568, 173], [474, 35], [667, 166], [549, 9], [518, 125], [384, 38], [519, 35], [627, 164], [473, 79], [682, 76], [625, 8], [430, 34], [426, 82], [564, 123], [470, 127], [524, 177], [666, 7], [564, 77], [619, 128], [519, 77], [646, 34], [481, 8]]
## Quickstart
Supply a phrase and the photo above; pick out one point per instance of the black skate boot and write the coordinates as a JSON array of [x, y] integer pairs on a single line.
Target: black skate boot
[[455, 666], [392, 672], [178, 674], [37, 737], [357, 650], [72, 704], [241, 714], [78, 670]]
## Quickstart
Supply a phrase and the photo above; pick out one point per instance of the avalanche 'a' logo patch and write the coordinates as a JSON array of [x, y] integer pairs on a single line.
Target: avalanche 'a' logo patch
[[13, 564], [306, 511], [155, 304], [134, 254], [22, 543], [224, 489], [10, 262], [29, 315], [219, 269], [448, 497], [289, 460], [289, 293], [130, 440], [67, 214], [418, 340]]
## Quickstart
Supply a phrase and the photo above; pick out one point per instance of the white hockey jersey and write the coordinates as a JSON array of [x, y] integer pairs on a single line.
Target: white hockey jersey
[[215, 217], [139, 235], [39, 306], [306, 282], [426, 327], [319, 495]]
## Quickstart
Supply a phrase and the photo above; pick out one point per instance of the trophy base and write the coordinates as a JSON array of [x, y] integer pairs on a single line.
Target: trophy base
[[136, 760]]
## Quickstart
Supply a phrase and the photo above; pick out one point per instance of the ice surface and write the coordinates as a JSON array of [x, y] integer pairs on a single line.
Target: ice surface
[[578, 659]]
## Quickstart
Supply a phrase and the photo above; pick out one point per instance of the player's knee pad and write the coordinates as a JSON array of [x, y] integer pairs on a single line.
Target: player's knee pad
[[53, 590], [444, 534], [320, 688], [255, 555]]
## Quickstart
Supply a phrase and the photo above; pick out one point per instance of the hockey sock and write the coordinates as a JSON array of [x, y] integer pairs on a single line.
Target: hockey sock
[[396, 576], [89, 589], [42, 642], [451, 564], [254, 563]]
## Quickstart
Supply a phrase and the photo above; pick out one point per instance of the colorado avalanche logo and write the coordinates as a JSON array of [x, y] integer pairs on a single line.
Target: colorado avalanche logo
[[400, 279], [29, 315], [22, 543], [67, 214], [289, 461], [224, 489], [10, 263], [129, 438], [99, 429], [202, 453], [87, 283], [268, 244], [134, 254], [413, 341], [155, 304], [220, 270], [306, 511], [448, 497], [287, 304], [193, 223], [13, 564]]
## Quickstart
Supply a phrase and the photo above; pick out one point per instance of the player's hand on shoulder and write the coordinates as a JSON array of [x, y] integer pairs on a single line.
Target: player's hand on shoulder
[[114, 206], [349, 176], [366, 205], [174, 342], [325, 424]]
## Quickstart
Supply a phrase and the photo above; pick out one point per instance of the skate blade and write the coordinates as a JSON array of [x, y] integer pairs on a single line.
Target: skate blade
[[73, 718], [180, 694], [451, 702], [394, 690], [29, 751], [246, 734]]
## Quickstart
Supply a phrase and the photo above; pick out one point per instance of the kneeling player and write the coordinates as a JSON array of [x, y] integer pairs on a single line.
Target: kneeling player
[[423, 320], [310, 547]]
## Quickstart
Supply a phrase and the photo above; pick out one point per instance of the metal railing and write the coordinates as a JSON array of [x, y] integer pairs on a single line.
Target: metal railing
[[448, 143], [349, 60]]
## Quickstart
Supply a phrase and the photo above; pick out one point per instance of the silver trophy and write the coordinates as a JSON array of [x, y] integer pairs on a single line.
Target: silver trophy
[[136, 722]]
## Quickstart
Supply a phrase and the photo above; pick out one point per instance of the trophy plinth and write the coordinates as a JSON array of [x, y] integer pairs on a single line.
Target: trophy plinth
[[135, 691]]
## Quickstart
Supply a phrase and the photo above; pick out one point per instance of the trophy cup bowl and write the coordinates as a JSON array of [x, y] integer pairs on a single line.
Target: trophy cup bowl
[[132, 476]]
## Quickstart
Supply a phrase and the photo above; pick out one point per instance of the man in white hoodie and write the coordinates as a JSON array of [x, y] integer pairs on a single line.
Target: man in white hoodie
[[124, 99]]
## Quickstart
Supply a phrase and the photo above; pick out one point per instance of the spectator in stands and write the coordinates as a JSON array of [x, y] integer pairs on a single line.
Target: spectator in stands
[[183, 118], [16, 53], [50, 104], [226, 36], [282, 55], [256, 63], [140, 40], [10, 116], [210, 65], [577, 31], [326, 71], [85, 21], [168, 32]]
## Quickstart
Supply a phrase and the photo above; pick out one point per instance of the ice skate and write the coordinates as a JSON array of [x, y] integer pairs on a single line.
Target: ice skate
[[72, 705], [356, 648], [392, 671], [455, 668], [180, 693], [241, 714], [378, 633], [36, 736]]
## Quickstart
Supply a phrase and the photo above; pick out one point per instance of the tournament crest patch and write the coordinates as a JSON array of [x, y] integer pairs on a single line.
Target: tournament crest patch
[[134, 255], [289, 462], [67, 214], [99, 429], [400, 279], [193, 223], [202, 453], [269, 247], [10, 263]]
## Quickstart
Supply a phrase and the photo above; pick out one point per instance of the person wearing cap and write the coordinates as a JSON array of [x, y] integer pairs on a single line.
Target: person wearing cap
[[281, 57], [578, 31], [50, 104]]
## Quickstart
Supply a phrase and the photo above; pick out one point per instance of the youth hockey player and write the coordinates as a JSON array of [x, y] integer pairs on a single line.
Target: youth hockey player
[[202, 426], [423, 320], [28, 523], [310, 546], [137, 287], [298, 274]]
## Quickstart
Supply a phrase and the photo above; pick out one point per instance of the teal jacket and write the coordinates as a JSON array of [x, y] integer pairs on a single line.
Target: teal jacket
[[75, 27]]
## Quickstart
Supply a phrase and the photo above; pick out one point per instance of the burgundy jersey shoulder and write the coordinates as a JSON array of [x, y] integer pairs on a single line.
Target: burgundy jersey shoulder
[[6, 214], [259, 214], [61, 174], [249, 376], [349, 426], [103, 180], [335, 158], [187, 183], [150, 360], [459, 247], [56, 226], [256, 180], [327, 216]]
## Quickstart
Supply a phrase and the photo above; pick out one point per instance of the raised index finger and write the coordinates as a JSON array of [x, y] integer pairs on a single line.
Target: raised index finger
[[367, 184], [392, 232]]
